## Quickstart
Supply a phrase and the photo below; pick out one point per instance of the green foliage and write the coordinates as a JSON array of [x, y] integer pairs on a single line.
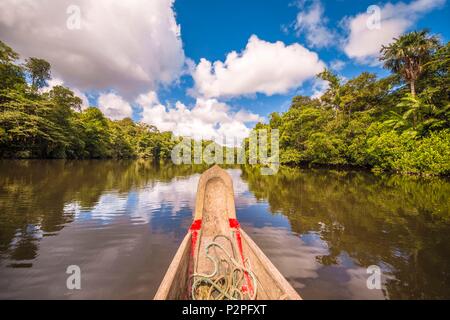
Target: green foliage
[[364, 121], [291, 156], [29, 130], [35, 124], [11, 74], [384, 150], [322, 149], [39, 71], [408, 54], [428, 156], [375, 123], [96, 133]]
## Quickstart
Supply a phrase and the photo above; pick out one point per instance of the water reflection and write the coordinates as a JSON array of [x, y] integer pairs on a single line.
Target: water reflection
[[122, 221], [401, 224]]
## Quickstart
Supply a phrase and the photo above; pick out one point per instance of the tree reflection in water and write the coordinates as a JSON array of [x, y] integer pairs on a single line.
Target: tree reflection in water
[[353, 218], [401, 222], [34, 193]]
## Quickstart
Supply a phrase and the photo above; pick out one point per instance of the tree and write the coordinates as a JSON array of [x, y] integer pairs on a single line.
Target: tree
[[29, 127], [364, 121], [332, 95], [7, 54], [408, 54], [96, 133], [361, 93], [65, 98], [39, 70], [10, 74]]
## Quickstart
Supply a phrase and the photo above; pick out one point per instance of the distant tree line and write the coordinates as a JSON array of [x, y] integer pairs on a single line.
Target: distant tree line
[[398, 123]]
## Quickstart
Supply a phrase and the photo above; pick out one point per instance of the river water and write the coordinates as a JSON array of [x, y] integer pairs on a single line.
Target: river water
[[121, 222]]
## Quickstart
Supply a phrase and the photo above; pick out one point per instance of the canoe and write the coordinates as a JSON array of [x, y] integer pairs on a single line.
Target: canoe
[[246, 270]]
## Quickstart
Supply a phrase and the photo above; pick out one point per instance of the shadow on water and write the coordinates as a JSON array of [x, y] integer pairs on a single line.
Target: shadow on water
[[122, 221]]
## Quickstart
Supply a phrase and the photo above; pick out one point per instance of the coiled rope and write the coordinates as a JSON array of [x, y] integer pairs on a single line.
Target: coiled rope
[[227, 281]]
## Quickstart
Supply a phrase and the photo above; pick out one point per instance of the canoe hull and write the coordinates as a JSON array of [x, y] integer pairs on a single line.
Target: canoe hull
[[175, 284], [273, 285], [215, 214]]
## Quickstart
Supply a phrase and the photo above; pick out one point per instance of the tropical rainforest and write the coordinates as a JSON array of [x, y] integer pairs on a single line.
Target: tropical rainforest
[[398, 123], [36, 123]]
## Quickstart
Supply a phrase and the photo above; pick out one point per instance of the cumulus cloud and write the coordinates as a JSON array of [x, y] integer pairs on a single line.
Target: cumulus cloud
[[128, 46], [319, 87], [312, 23], [114, 106], [263, 67], [207, 119], [337, 65], [364, 43]]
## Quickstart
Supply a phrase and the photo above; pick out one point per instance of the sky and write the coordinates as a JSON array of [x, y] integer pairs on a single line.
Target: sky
[[208, 69]]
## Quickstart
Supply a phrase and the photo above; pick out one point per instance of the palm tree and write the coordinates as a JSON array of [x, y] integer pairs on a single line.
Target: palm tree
[[408, 54]]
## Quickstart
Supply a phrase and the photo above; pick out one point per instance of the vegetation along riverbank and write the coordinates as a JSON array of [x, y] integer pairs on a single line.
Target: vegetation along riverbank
[[398, 123]]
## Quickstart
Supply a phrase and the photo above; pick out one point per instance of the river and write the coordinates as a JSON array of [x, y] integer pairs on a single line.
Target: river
[[121, 222]]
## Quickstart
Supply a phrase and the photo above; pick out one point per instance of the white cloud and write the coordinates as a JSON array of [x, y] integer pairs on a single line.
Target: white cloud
[[128, 45], [319, 87], [337, 65], [52, 83], [311, 21], [364, 44], [263, 67], [114, 106], [148, 100], [208, 118]]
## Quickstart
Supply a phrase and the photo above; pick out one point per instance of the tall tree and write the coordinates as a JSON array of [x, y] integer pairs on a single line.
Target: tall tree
[[65, 98], [96, 133], [332, 94], [10, 73], [408, 54], [39, 70]]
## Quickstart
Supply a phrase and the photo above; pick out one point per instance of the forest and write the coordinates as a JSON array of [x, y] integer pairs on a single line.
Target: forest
[[398, 123], [50, 124]]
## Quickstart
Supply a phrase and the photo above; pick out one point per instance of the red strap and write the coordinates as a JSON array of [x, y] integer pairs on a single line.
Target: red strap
[[195, 227], [234, 224]]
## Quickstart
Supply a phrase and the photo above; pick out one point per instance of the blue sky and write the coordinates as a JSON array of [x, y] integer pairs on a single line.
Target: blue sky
[[211, 29], [207, 68]]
